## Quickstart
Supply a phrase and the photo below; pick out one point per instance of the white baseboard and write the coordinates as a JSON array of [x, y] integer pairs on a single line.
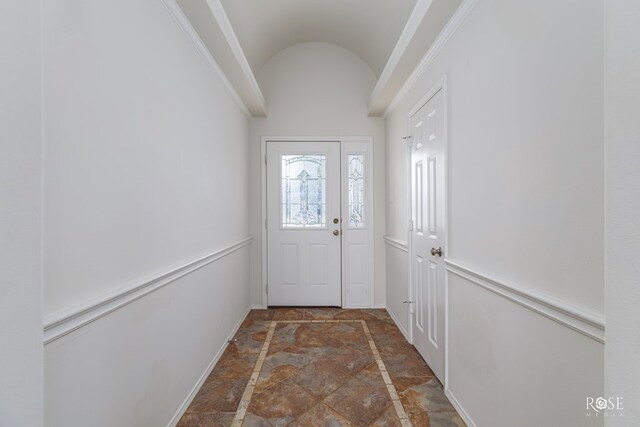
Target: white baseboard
[[257, 307], [463, 414], [398, 324], [192, 394]]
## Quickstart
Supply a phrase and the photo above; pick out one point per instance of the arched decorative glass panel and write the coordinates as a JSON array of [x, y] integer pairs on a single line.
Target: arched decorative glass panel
[[303, 190], [356, 190]]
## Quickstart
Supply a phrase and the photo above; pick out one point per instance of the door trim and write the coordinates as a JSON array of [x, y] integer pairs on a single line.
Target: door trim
[[441, 85], [369, 209]]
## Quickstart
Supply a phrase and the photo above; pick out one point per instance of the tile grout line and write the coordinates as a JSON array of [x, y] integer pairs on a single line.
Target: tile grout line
[[249, 389], [395, 399]]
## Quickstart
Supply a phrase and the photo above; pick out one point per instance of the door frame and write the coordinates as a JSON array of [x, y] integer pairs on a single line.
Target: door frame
[[440, 85], [369, 211]]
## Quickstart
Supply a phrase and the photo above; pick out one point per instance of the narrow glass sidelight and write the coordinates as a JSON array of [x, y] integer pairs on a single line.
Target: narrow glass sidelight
[[356, 190], [303, 197]]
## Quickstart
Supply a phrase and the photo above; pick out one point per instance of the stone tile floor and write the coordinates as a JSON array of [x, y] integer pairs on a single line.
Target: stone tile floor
[[317, 367]]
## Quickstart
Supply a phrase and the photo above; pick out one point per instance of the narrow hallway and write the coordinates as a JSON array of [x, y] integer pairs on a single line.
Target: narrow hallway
[[320, 367], [319, 213]]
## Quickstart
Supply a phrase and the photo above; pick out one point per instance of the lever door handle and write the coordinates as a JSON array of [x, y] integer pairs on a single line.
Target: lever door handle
[[336, 232], [437, 252]]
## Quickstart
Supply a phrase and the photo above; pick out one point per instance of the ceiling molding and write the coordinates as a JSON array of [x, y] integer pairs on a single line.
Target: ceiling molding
[[179, 17], [423, 30], [225, 26], [447, 32], [413, 23], [209, 22]]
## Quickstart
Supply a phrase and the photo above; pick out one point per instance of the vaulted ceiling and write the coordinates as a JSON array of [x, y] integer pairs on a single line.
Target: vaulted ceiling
[[368, 28], [391, 36]]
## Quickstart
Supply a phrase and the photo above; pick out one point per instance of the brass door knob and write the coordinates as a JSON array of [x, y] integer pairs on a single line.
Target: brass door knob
[[435, 251], [336, 232]]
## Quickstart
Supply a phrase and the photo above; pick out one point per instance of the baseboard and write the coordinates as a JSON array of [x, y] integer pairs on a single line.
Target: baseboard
[[192, 394], [463, 414], [257, 307], [398, 324]]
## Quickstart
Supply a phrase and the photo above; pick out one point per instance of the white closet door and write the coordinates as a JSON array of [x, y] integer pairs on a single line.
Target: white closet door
[[427, 235]]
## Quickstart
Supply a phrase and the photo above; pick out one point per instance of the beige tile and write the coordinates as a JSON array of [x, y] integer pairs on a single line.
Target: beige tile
[[392, 392], [254, 378], [242, 409], [399, 409], [246, 396]]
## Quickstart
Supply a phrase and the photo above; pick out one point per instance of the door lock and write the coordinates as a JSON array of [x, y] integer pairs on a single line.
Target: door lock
[[437, 252], [336, 220]]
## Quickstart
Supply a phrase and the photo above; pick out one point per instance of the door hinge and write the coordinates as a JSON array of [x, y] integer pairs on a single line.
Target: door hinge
[[408, 140], [410, 225]]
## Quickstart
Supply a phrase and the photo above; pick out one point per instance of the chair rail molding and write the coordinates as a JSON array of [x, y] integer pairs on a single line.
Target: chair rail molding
[[398, 244], [577, 318], [62, 323]]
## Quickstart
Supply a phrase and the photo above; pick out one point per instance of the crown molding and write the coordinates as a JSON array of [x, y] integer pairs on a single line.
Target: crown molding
[[183, 22], [439, 43], [413, 23]]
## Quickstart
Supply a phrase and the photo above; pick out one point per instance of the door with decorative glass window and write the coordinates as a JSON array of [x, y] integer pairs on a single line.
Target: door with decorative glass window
[[304, 224]]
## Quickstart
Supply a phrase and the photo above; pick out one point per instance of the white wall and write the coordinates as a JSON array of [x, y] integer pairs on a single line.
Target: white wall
[[317, 89], [623, 206], [145, 169], [20, 215], [526, 203], [397, 284], [137, 366]]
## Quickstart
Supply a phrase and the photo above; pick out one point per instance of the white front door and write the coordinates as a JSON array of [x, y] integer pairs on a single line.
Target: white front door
[[428, 230], [303, 224]]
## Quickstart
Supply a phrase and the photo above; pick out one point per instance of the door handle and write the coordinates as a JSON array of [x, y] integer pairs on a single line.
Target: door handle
[[336, 232], [435, 251]]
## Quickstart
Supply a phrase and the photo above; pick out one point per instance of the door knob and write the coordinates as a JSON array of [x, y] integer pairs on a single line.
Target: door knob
[[336, 232], [435, 251]]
